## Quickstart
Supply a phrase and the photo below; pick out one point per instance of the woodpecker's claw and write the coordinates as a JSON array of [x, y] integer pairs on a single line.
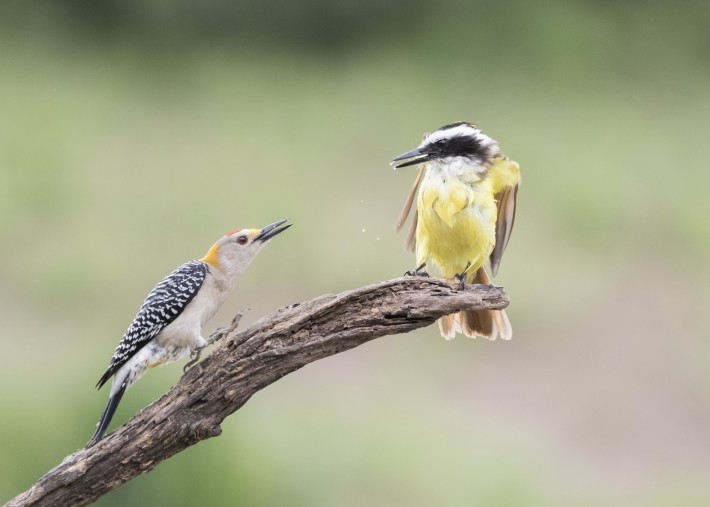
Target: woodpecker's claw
[[194, 358], [215, 338]]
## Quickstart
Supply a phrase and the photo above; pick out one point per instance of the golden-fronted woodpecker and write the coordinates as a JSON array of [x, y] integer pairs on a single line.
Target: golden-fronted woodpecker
[[168, 325]]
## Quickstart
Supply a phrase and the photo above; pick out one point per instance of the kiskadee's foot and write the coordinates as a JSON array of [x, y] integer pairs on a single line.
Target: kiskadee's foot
[[462, 280], [419, 271], [461, 277]]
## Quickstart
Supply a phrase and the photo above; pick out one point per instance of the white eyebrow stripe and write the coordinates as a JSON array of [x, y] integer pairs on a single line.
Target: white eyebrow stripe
[[461, 130]]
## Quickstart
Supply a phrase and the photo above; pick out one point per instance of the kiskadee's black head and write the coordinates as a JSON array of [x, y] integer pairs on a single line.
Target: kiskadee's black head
[[457, 140]]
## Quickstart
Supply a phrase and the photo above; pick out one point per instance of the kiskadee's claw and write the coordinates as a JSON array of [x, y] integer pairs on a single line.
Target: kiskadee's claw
[[462, 280], [418, 271]]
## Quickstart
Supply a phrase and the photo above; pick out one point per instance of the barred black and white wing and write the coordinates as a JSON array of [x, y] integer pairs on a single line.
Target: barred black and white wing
[[162, 306]]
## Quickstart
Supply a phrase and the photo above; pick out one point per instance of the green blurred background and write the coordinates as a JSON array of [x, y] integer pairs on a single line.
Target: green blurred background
[[133, 134]]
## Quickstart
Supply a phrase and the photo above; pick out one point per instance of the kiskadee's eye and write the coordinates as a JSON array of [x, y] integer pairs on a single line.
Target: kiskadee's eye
[[242, 240]]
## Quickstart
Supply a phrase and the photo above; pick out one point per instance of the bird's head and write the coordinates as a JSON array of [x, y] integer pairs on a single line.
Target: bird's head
[[459, 143], [234, 251]]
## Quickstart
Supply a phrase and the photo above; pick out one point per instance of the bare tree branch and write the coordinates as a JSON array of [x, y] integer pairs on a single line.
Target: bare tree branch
[[247, 362]]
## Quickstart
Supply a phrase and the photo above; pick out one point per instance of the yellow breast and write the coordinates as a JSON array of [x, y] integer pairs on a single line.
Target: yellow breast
[[456, 224]]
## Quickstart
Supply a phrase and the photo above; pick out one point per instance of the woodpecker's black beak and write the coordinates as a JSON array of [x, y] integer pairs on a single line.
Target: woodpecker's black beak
[[417, 156], [272, 230]]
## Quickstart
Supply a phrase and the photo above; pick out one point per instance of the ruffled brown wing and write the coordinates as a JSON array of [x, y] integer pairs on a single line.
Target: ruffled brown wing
[[506, 200], [410, 241], [505, 180]]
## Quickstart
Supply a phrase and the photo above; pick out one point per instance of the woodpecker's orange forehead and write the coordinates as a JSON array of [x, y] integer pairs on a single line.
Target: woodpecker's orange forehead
[[251, 232]]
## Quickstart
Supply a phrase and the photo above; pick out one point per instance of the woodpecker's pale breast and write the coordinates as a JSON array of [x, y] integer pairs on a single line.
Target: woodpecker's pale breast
[[186, 331]]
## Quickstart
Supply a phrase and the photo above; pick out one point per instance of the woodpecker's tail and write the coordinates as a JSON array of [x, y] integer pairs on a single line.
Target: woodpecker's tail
[[106, 417], [490, 324]]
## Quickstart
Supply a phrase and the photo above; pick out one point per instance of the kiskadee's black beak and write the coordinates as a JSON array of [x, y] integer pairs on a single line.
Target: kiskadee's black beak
[[417, 156], [272, 230]]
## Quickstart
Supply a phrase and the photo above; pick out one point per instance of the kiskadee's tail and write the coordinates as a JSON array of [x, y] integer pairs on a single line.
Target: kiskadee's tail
[[489, 324]]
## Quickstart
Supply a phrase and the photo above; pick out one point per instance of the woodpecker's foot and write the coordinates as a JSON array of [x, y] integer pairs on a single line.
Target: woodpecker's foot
[[230, 331], [194, 358], [462, 280], [419, 271], [234, 324], [216, 338]]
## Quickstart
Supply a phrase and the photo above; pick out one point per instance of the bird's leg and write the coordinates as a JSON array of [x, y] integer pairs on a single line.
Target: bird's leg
[[215, 338], [462, 280], [419, 271], [462, 277], [221, 333], [195, 353]]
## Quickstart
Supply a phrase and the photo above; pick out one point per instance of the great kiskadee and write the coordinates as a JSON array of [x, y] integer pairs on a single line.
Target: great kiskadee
[[466, 192]]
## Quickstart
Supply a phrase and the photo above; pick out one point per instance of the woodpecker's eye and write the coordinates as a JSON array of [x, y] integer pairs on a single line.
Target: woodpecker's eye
[[242, 240]]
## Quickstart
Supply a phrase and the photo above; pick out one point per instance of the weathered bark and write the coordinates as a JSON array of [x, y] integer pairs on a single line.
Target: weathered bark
[[246, 362]]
